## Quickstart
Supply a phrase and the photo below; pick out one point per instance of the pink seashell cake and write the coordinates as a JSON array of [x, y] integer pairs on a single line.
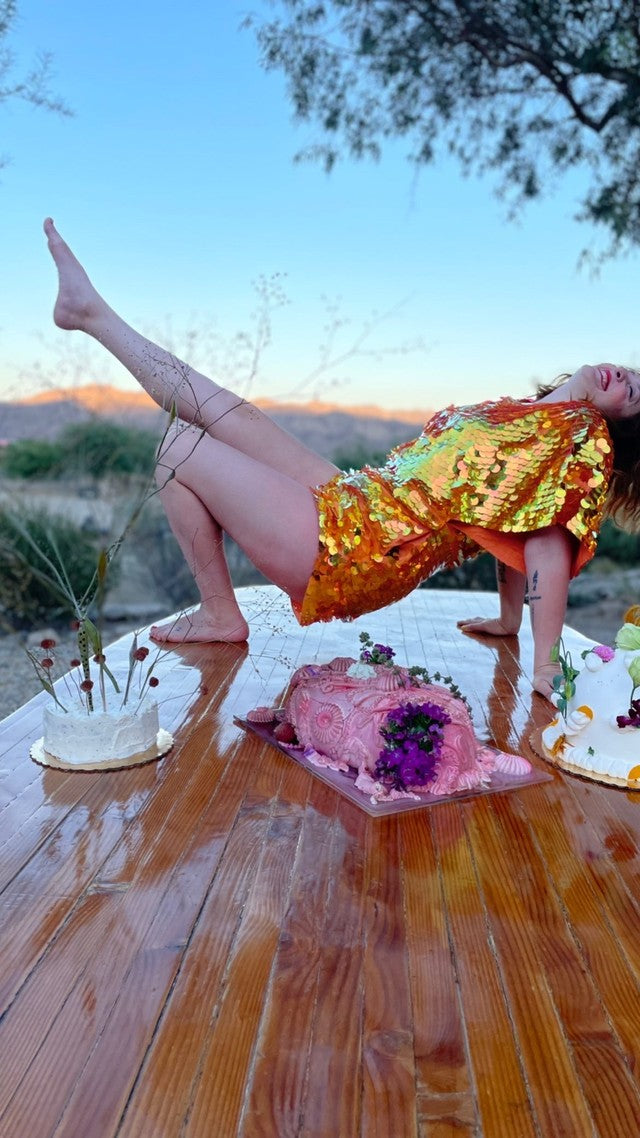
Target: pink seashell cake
[[403, 736]]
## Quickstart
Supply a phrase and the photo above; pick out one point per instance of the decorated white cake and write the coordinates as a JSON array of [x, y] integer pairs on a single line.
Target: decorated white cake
[[97, 720], [596, 731], [78, 739]]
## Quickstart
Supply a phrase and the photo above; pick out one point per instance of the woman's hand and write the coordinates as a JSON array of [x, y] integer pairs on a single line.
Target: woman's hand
[[494, 627], [543, 679]]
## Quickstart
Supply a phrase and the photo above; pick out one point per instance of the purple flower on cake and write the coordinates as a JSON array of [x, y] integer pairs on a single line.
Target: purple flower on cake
[[633, 717], [413, 735], [374, 653], [604, 652]]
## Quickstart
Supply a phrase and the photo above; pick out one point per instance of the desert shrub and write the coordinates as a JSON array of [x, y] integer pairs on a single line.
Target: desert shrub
[[100, 447], [33, 458], [95, 448], [618, 545], [357, 456], [28, 590], [478, 573]]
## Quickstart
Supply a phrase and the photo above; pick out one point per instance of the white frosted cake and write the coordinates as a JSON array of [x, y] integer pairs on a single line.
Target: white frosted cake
[[596, 731], [79, 739]]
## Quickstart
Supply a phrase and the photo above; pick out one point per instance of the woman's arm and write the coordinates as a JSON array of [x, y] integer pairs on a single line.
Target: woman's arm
[[511, 593], [548, 555]]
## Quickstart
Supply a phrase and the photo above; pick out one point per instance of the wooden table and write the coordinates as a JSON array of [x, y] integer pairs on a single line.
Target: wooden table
[[217, 944]]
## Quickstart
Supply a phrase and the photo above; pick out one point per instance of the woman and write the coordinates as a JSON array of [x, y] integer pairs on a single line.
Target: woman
[[527, 480]]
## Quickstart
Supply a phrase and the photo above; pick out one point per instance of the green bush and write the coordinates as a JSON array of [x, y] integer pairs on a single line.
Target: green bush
[[29, 593], [478, 573], [33, 458], [95, 448], [618, 545], [358, 455], [101, 447]]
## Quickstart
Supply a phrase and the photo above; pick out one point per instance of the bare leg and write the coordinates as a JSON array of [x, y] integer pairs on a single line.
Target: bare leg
[[216, 482], [200, 538], [272, 517], [170, 382]]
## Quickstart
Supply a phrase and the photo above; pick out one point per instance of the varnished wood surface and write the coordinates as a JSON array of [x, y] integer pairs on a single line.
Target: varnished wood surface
[[217, 944]]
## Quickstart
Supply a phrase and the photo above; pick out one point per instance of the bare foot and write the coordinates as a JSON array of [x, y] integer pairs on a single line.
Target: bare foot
[[543, 680], [480, 624], [78, 303], [199, 627]]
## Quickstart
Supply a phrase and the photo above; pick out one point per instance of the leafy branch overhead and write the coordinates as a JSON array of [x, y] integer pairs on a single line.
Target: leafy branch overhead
[[526, 88], [34, 86]]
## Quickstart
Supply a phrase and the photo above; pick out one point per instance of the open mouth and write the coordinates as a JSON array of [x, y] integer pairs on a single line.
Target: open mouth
[[605, 377]]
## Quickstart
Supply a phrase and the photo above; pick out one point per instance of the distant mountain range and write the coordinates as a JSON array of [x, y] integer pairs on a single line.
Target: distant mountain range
[[327, 428]]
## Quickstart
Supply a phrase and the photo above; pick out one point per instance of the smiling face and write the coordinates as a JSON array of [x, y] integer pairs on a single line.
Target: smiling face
[[613, 389]]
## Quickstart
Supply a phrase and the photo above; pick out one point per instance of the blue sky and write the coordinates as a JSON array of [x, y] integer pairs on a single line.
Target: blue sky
[[175, 183]]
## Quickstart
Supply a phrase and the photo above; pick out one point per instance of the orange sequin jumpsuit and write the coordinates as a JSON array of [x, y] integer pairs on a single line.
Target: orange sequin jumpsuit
[[478, 477]]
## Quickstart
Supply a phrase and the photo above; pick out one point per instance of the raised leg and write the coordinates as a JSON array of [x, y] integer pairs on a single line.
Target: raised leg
[[235, 471], [170, 382]]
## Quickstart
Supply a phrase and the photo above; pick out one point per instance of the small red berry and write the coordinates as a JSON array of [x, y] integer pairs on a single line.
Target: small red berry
[[47, 643], [75, 624], [153, 682], [285, 733], [99, 658], [86, 685], [141, 653], [75, 663], [46, 663]]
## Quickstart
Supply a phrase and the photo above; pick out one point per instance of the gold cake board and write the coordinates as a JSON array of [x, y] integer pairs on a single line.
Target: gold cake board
[[163, 744], [593, 776]]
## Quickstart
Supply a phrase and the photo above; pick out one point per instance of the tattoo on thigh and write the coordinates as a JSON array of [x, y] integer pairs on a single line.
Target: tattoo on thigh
[[501, 572]]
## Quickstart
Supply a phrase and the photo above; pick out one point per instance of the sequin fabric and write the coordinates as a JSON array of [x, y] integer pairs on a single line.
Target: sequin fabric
[[505, 466]]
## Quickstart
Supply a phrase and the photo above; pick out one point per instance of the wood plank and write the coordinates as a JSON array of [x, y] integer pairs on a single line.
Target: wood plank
[[574, 859], [335, 1055], [499, 1082], [278, 1087], [440, 1049], [114, 1080], [388, 1060], [528, 923], [226, 1061], [601, 1067], [220, 936]]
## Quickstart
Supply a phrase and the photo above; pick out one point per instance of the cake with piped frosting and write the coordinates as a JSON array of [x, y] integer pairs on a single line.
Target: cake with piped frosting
[[402, 735], [596, 729]]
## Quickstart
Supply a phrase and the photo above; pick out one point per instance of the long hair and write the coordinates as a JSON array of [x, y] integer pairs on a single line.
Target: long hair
[[623, 499]]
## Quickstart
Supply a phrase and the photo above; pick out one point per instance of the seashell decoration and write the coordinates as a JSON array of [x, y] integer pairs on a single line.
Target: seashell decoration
[[262, 715], [387, 680], [512, 764]]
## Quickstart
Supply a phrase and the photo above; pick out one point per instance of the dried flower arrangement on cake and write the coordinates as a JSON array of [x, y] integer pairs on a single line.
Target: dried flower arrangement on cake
[[90, 683]]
